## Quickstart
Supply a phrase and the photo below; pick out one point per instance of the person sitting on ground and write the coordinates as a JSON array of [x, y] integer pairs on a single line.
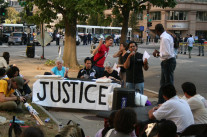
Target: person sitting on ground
[[167, 128], [198, 104], [124, 123], [107, 125], [13, 72], [3, 63], [6, 56], [2, 73], [122, 51], [59, 69], [32, 132], [87, 72], [7, 97], [174, 109], [110, 73]]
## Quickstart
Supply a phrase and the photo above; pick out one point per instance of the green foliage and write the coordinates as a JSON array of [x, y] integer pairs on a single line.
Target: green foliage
[[133, 21], [124, 7], [48, 9], [12, 14], [99, 19], [117, 20], [50, 62]]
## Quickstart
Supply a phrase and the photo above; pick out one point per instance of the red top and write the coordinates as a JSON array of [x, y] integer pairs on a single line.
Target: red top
[[103, 50]]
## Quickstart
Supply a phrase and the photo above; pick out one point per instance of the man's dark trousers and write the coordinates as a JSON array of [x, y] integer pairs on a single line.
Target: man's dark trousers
[[167, 75]]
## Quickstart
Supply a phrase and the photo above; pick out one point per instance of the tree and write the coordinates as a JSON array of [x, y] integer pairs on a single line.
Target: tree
[[133, 21], [12, 15], [125, 6], [72, 11], [99, 19]]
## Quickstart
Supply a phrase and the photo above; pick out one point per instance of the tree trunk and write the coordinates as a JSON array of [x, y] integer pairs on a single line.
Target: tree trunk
[[69, 54], [124, 31]]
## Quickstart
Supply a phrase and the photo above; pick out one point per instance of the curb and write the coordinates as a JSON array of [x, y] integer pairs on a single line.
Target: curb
[[3, 46], [51, 116], [151, 91]]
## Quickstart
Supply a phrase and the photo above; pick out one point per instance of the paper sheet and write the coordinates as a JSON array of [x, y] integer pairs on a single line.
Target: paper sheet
[[146, 55], [116, 68]]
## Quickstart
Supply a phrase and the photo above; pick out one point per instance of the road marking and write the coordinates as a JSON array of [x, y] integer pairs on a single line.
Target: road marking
[[183, 61]]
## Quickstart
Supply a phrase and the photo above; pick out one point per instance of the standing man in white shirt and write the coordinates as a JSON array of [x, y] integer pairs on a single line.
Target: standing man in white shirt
[[174, 109], [198, 104], [190, 42], [167, 56], [57, 38]]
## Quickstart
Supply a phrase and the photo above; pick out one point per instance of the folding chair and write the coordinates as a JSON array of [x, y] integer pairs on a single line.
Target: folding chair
[[195, 130]]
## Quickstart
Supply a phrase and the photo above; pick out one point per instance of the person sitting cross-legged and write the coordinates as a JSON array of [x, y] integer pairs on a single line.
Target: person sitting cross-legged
[[87, 72], [8, 101], [198, 104], [13, 72], [174, 109]]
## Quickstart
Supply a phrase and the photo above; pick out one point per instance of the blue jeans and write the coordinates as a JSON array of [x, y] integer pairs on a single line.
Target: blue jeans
[[136, 86], [167, 72], [99, 71]]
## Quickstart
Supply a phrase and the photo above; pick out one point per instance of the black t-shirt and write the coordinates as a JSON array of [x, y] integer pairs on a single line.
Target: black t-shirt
[[91, 73], [134, 74], [113, 74], [121, 61]]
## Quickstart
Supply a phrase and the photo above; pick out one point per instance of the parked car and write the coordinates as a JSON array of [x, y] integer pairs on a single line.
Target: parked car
[[15, 37]]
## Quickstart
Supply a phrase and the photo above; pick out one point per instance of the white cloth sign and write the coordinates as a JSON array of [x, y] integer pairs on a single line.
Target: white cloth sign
[[72, 94]]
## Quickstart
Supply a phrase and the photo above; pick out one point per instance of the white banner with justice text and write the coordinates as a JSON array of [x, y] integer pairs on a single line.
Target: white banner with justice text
[[72, 94]]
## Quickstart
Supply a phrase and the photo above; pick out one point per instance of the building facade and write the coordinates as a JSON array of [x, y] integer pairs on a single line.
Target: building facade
[[188, 17], [15, 4]]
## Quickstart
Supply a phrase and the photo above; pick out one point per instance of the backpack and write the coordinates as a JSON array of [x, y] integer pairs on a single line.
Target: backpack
[[71, 130]]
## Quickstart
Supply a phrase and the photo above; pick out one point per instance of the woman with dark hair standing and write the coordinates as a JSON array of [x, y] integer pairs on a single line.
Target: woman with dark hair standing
[[122, 51], [124, 123]]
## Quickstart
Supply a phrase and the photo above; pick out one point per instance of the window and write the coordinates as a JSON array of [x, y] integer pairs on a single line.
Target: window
[[155, 15], [201, 16], [177, 15]]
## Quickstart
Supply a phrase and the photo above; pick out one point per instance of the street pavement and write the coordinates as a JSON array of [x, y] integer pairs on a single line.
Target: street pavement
[[194, 70]]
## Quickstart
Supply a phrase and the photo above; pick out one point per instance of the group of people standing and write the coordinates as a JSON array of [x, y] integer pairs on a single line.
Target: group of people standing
[[188, 45], [131, 65], [86, 38]]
